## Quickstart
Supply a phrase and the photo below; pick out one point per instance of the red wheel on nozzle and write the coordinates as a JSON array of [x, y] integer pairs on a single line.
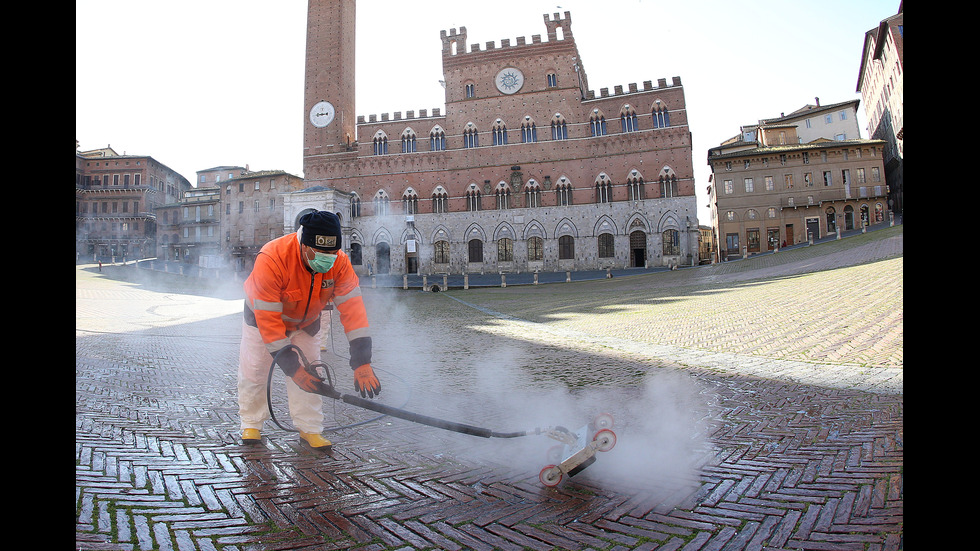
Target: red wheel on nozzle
[[550, 476], [606, 439]]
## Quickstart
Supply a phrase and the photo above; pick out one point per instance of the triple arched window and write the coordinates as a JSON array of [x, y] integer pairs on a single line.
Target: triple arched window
[[661, 116], [437, 139], [559, 128], [408, 141], [529, 132], [627, 119], [499, 131], [380, 143]]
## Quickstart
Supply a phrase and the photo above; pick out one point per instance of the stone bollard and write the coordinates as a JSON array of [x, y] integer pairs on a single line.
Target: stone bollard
[[535, 277], [405, 281], [466, 281], [568, 277], [425, 284], [445, 281], [503, 279]]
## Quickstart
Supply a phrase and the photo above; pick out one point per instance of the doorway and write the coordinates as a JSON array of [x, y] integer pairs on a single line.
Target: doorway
[[638, 249], [813, 228], [383, 254]]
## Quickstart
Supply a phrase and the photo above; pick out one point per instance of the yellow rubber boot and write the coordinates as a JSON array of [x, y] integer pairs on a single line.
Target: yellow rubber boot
[[251, 436], [315, 440]]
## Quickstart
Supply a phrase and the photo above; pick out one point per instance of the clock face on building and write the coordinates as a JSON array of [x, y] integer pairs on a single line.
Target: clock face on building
[[322, 114], [509, 80]]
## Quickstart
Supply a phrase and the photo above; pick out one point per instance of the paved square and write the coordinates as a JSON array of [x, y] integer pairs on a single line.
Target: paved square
[[758, 405]]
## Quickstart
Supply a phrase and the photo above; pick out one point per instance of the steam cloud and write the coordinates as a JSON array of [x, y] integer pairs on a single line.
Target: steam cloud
[[498, 383]]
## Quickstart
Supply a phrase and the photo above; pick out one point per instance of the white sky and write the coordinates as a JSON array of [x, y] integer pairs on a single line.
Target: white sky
[[204, 83]]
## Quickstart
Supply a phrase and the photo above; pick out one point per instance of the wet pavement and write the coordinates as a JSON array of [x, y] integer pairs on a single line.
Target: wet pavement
[[757, 404]]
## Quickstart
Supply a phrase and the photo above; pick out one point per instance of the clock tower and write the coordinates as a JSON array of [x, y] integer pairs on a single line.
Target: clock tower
[[328, 117]]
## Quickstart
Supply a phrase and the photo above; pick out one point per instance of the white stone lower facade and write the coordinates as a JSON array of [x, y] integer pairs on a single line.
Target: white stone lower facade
[[569, 238]]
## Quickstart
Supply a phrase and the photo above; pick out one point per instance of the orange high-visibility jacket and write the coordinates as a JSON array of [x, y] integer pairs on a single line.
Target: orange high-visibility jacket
[[282, 295]]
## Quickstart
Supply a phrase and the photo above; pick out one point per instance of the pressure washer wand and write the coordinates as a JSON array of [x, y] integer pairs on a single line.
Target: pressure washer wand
[[330, 392]]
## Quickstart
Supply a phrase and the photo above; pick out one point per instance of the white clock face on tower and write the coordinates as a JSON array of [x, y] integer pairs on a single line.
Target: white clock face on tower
[[509, 80], [322, 114]]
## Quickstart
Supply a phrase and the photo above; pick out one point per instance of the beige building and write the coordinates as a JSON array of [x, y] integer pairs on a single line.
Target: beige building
[[837, 121], [252, 213], [768, 190], [223, 222], [881, 84], [188, 231]]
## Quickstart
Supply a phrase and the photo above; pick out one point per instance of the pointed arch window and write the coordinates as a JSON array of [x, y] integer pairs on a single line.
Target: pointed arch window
[[437, 140], [559, 129], [502, 194], [380, 144], [408, 141], [603, 189], [636, 187], [499, 130], [355, 206], [668, 185], [661, 116], [473, 199], [471, 138], [440, 201], [532, 194], [627, 119], [381, 203], [410, 202], [597, 123], [563, 192], [529, 132]]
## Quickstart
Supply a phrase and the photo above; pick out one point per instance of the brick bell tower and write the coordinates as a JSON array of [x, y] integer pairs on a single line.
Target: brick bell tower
[[328, 118]]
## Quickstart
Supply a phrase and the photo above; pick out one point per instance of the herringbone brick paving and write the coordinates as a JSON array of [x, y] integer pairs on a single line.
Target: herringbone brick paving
[[730, 433]]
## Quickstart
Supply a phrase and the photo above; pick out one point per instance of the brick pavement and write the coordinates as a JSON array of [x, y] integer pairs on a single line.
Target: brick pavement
[[744, 421]]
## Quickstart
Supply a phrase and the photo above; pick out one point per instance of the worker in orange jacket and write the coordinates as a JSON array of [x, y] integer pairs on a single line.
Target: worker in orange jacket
[[293, 279]]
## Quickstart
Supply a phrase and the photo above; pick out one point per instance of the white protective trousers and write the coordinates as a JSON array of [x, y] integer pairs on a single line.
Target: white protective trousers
[[254, 360]]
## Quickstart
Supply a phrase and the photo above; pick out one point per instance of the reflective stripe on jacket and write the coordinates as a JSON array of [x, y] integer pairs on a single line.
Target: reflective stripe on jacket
[[285, 296]]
